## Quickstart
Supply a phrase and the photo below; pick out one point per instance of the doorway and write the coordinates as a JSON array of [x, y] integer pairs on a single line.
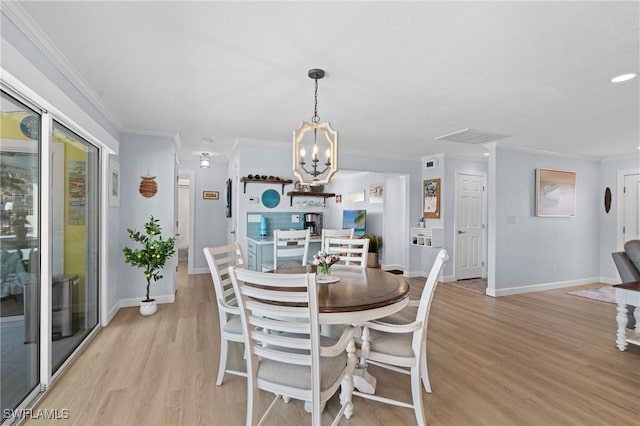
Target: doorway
[[185, 237], [628, 206], [470, 229]]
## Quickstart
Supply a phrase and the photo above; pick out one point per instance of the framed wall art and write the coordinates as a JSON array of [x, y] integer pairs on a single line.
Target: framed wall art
[[431, 198], [555, 193], [210, 195], [114, 183]]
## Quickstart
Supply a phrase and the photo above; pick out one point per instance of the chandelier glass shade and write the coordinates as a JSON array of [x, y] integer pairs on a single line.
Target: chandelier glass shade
[[315, 146], [205, 161]]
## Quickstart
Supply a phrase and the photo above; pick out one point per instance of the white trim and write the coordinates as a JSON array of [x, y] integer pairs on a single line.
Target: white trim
[[620, 205], [112, 313], [200, 271], [45, 231], [392, 266], [608, 280], [165, 298], [415, 274], [104, 237], [448, 278], [22, 20], [540, 287]]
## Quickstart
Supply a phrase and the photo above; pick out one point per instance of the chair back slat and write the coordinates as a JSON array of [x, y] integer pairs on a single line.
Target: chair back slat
[[334, 233], [427, 296], [290, 244], [351, 251], [219, 259]]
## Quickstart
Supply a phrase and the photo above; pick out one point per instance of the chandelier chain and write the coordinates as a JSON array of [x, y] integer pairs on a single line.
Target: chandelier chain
[[316, 118]]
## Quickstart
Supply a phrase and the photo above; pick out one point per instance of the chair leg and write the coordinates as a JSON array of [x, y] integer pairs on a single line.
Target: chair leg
[[425, 372], [416, 395], [223, 361]]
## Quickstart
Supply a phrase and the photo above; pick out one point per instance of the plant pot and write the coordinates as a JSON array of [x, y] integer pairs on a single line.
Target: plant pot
[[148, 307], [372, 260]]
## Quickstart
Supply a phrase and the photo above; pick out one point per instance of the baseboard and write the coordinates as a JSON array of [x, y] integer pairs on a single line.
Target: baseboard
[[540, 287], [611, 281], [415, 274], [392, 266], [448, 278], [165, 298], [112, 313], [200, 271]]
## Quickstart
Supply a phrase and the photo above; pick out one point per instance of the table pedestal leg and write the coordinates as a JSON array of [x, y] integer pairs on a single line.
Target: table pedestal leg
[[621, 318], [363, 381]]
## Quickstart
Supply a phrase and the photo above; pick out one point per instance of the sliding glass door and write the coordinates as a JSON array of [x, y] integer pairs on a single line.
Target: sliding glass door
[[74, 242], [19, 247], [49, 223]]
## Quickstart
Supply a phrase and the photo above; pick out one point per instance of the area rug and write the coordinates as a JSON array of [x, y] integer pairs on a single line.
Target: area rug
[[475, 285], [602, 294]]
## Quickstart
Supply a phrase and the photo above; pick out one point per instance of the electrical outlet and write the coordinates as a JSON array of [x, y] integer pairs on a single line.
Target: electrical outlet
[[295, 218], [253, 218]]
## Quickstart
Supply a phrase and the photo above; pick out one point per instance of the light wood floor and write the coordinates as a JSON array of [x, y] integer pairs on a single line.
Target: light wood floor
[[544, 358]]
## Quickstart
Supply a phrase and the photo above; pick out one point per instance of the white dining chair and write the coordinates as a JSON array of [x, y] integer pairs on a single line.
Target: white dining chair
[[401, 346], [352, 251], [334, 233], [279, 315], [219, 259], [290, 248]]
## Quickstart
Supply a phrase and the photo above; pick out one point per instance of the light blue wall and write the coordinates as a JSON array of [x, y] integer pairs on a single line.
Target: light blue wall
[[114, 255], [142, 155], [608, 221], [527, 250]]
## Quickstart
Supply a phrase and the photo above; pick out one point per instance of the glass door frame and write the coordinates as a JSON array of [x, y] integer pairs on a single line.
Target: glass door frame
[[18, 90]]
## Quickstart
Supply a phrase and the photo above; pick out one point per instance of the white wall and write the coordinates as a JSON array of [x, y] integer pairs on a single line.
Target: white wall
[[142, 155], [608, 221], [541, 252]]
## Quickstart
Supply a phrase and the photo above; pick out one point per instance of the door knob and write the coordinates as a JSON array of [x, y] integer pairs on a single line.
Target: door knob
[[461, 232]]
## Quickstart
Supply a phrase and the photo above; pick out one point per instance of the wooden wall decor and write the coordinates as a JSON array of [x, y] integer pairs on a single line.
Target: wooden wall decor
[[607, 200], [431, 198], [148, 186]]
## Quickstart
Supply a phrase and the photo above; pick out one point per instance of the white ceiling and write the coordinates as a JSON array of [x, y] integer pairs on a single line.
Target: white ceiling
[[398, 74]]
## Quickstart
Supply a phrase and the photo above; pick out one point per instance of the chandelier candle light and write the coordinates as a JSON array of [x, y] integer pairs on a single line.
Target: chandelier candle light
[[316, 173]]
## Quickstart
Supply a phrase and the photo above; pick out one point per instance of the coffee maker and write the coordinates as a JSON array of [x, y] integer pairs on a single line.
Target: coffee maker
[[313, 222]]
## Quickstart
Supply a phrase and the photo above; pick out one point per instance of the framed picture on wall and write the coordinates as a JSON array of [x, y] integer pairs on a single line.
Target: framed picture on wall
[[210, 195], [555, 193], [114, 183], [431, 198]]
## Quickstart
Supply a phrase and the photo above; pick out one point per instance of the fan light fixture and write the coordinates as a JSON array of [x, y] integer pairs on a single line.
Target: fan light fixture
[[324, 140], [205, 161]]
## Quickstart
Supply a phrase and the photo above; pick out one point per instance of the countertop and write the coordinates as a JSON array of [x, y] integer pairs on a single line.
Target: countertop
[[269, 240]]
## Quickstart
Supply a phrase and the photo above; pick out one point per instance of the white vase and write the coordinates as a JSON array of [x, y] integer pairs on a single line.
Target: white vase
[[148, 308]]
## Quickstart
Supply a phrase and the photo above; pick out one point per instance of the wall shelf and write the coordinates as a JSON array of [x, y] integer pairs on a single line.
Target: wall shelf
[[324, 195], [427, 237], [275, 181]]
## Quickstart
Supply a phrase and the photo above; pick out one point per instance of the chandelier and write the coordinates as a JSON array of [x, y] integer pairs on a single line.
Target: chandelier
[[205, 161], [312, 170]]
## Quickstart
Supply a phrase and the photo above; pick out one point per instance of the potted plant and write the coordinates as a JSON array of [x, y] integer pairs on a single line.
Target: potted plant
[[375, 244], [151, 257]]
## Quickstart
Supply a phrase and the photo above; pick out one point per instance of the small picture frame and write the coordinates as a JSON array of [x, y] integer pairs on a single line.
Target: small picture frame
[[210, 195], [114, 183]]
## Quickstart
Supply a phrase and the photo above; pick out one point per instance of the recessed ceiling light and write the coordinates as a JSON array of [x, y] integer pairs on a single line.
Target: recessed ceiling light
[[486, 153], [624, 77]]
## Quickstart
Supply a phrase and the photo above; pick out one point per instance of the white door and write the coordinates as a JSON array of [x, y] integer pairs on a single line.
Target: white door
[[395, 224], [631, 226], [469, 225]]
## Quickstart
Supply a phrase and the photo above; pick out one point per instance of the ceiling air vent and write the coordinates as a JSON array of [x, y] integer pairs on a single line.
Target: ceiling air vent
[[472, 136]]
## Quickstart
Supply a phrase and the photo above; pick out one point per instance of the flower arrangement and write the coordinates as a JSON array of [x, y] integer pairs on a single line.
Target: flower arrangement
[[154, 253], [324, 260]]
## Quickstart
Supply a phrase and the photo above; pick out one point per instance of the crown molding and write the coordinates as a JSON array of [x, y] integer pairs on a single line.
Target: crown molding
[[544, 152], [19, 16]]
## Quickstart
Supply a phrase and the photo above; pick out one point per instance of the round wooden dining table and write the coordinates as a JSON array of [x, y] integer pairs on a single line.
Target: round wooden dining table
[[359, 295]]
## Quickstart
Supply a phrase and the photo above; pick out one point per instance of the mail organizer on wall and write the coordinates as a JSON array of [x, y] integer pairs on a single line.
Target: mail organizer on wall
[[427, 237]]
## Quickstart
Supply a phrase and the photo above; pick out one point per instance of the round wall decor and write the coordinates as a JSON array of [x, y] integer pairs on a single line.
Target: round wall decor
[[148, 186], [607, 200], [270, 198]]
